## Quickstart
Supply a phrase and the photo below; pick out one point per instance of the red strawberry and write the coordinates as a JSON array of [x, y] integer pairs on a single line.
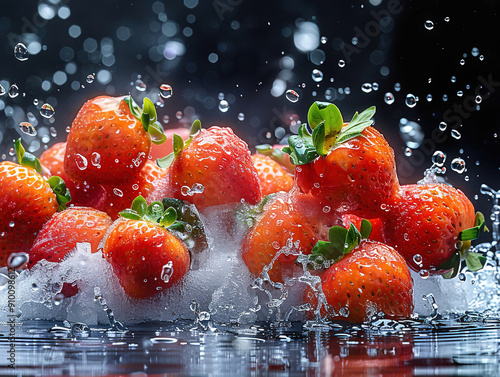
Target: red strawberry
[[428, 222], [351, 167], [213, 167], [146, 257], [366, 277], [61, 234], [162, 150], [109, 141], [272, 176], [276, 153], [293, 221], [27, 201], [83, 194], [146, 183]]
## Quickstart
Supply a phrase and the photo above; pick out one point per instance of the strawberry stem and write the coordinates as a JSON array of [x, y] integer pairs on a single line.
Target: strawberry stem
[[62, 193], [147, 116], [179, 145], [26, 159]]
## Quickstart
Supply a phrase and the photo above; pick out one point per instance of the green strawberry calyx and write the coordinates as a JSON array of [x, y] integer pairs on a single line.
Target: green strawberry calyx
[[473, 261], [154, 212], [274, 153], [147, 116], [179, 145], [325, 132], [341, 241], [56, 183]]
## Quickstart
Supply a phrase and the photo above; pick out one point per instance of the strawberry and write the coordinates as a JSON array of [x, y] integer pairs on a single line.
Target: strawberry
[[27, 201], [432, 226], [120, 196], [272, 176], [377, 233], [292, 222], [83, 194], [213, 167], [276, 153], [351, 166], [145, 255], [61, 234], [366, 277], [110, 140]]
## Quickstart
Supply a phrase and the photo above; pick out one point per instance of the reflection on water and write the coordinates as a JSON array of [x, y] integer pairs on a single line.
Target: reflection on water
[[460, 345]]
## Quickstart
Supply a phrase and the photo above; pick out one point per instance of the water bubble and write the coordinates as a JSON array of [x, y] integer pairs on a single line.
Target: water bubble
[[389, 98], [442, 126], [455, 134], [458, 165], [445, 97], [80, 329], [429, 97], [292, 95], [90, 79], [397, 87], [241, 117], [27, 128], [478, 99], [424, 274], [58, 299], [411, 100], [417, 258], [21, 52], [166, 119], [460, 93], [317, 75], [13, 91], [324, 40], [461, 276], [375, 86], [462, 61], [81, 161], [447, 19], [341, 63], [118, 192], [366, 87], [18, 261], [166, 91], [429, 25], [481, 57], [53, 132], [95, 159], [223, 106], [2, 90], [453, 79], [167, 272], [140, 85], [475, 51], [178, 114], [439, 158], [408, 152], [47, 111]]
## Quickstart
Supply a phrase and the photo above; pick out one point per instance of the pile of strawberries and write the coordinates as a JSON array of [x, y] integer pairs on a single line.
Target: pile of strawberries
[[332, 195]]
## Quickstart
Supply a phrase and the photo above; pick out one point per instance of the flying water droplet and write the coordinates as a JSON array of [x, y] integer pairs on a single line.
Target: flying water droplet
[[27, 128], [178, 114], [90, 78], [47, 111], [478, 99], [140, 85], [223, 106], [2, 90], [21, 52], [389, 98], [18, 261], [341, 63], [292, 95], [167, 272], [462, 61], [166, 119], [429, 25], [408, 152], [455, 134], [429, 97], [366, 87], [317, 75], [324, 40], [458, 165], [166, 91], [475, 51], [13, 91], [411, 100], [438, 158], [447, 19], [53, 132], [241, 117], [397, 87], [442, 126]]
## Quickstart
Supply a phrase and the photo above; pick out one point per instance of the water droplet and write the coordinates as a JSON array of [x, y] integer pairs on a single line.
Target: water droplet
[[58, 299], [13, 91], [429, 97], [223, 106], [326, 209], [366, 87], [453, 79], [324, 40], [95, 159], [445, 97], [317, 75], [397, 87], [455, 134], [461, 276], [424, 274], [118, 192], [475, 51], [375, 86], [21, 52], [90, 79], [341, 63], [167, 272], [408, 152], [429, 25], [2, 90], [478, 99], [81, 161], [53, 132], [166, 119], [411, 100], [241, 117], [166, 91], [389, 98], [442, 126], [292, 95], [12, 152], [462, 61], [458, 165], [80, 329], [460, 93], [140, 86], [481, 57], [17, 261], [47, 111], [178, 114], [447, 19], [27, 128], [438, 158]]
